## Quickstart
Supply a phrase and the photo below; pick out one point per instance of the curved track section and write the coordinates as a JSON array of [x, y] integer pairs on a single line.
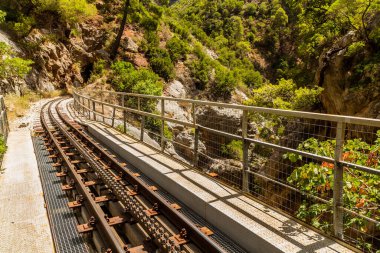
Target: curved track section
[[120, 211]]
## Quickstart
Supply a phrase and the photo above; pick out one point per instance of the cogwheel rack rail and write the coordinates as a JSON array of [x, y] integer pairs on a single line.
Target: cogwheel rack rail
[[86, 167]]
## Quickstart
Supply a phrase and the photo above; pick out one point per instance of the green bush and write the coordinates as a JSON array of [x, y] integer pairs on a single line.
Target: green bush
[[74, 10], [233, 150], [11, 67], [200, 72], [99, 67], [127, 79], [225, 82], [285, 95], [70, 11], [177, 48], [154, 125], [355, 48], [360, 189], [149, 23], [3, 14], [3, 146], [161, 63], [251, 78]]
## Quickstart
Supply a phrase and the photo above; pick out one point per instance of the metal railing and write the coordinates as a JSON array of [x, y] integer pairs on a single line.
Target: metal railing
[[249, 147], [4, 125]]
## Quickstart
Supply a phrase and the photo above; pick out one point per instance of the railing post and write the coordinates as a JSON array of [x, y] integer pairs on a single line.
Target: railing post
[[162, 124], [101, 99], [124, 115], [142, 128], [113, 116], [245, 183], [196, 136], [88, 108], [93, 110], [338, 182], [2, 123], [142, 120]]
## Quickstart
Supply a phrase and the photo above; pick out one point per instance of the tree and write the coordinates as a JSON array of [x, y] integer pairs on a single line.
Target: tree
[[280, 18], [11, 66], [357, 15], [116, 44]]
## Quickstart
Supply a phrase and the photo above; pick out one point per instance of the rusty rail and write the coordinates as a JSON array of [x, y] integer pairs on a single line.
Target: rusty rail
[[100, 222]]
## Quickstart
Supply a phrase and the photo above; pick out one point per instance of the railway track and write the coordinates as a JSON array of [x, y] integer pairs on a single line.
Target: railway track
[[119, 211]]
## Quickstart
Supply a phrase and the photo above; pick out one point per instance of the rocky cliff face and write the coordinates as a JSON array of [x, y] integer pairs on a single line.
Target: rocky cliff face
[[342, 94], [63, 61]]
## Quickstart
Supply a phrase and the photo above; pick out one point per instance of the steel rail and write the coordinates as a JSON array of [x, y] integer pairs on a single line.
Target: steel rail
[[101, 223], [179, 220]]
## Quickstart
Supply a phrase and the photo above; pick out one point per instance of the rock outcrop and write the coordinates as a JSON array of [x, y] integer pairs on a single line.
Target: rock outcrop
[[64, 62], [341, 93]]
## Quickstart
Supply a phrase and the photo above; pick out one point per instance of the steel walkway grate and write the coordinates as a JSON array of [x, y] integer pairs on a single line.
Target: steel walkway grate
[[62, 219]]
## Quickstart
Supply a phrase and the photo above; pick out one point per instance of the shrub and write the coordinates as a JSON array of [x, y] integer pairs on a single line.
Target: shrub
[[154, 125], [149, 23], [3, 146], [233, 150], [161, 63], [3, 14], [285, 95], [11, 67], [200, 72], [251, 78], [305, 98], [225, 82], [355, 48], [127, 78], [177, 48], [99, 67]]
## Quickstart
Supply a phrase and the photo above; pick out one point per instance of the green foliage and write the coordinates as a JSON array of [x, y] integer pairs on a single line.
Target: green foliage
[[233, 150], [3, 14], [154, 125], [127, 79], [149, 23], [11, 66], [225, 82], [161, 63], [74, 10], [355, 48], [200, 72], [285, 95], [360, 189], [23, 27], [177, 48], [251, 78], [70, 11], [99, 67], [280, 18], [3, 147]]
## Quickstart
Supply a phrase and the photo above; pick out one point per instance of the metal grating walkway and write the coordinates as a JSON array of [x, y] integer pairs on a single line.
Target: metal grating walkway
[[62, 219]]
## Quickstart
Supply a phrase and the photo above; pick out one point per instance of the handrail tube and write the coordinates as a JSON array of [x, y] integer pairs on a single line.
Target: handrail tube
[[280, 112]]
